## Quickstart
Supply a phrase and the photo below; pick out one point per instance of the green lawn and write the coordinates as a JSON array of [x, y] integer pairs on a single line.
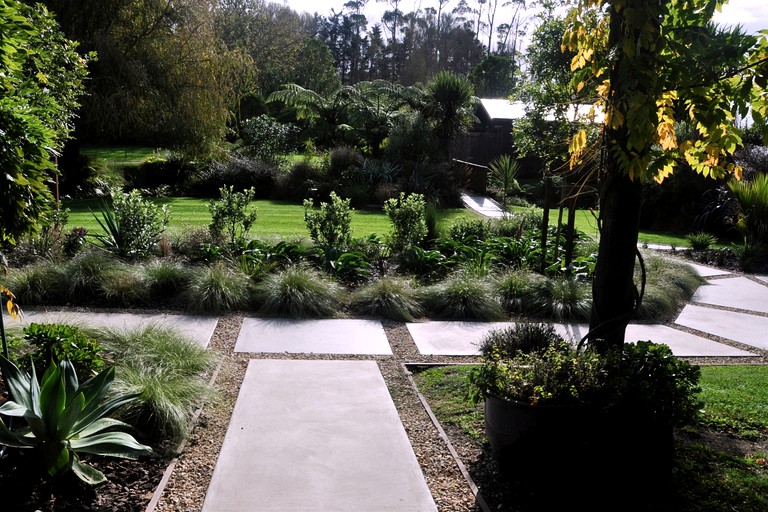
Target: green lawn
[[120, 155], [275, 218], [282, 219]]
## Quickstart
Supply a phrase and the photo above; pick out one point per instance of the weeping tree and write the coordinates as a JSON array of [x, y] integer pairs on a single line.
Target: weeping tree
[[651, 64]]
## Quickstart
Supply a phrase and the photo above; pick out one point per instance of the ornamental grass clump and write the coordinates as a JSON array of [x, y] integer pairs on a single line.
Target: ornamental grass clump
[[44, 282], [168, 373], [389, 297], [516, 291], [298, 292], [462, 297], [215, 289]]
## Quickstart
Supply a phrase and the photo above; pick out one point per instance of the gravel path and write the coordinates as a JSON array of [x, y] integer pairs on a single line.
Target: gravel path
[[191, 473]]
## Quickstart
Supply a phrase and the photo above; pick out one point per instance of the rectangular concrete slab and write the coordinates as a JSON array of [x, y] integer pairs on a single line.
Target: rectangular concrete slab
[[316, 436], [742, 327], [683, 344], [343, 336], [452, 338], [198, 328], [705, 271], [734, 292], [463, 338]]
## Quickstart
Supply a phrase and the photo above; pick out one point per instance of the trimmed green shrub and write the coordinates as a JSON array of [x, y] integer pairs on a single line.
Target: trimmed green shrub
[[298, 292], [389, 297], [230, 218], [408, 216], [59, 342], [241, 173], [331, 224]]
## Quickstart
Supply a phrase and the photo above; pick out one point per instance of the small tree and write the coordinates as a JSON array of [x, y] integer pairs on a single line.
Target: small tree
[[331, 225], [408, 216], [230, 217]]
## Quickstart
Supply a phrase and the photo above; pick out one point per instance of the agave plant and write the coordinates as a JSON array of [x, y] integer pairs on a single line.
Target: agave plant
[[64, 419]]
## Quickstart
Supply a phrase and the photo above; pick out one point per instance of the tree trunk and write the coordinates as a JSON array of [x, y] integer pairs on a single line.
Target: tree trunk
[[613, 289]]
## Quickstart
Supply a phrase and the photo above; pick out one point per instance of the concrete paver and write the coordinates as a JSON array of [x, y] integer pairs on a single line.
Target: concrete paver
[[198, 328], [463, 338], [763, 278], [319, 436], [482, 205], [335, 336], [734, 292], [741, 327], [705, 271]]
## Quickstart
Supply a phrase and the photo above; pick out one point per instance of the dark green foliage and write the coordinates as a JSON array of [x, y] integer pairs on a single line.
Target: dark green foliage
[[752, 197], [124, 286], [701, 241], [65, 419], [523, 337], [389, 297], [59, 342], [85, 274], [267, 139], [515, 290], [39, 283], [427, 264], [172, 172], [562, 298], [165, 279], [240, 173], [298, 292], [411, 140], [462, 297], [471, 230], [73, 242], [340, 159], [302, 181]]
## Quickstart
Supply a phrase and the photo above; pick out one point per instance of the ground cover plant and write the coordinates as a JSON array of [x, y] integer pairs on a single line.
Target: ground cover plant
[[714, 469]]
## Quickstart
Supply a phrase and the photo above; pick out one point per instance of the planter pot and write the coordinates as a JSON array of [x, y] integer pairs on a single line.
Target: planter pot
[[571, 448]]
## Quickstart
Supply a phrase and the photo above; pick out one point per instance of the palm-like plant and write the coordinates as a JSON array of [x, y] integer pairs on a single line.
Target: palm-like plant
[[449, 103], [65, 418], [502, 175], [752, 196]]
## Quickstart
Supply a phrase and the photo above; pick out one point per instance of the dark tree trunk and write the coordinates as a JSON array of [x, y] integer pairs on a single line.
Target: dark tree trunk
[[613, 289]]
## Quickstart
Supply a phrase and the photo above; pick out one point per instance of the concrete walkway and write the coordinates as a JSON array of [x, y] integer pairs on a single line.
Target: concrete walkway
[[299, 441]]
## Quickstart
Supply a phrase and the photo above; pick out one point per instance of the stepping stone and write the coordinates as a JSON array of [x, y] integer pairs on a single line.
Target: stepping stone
[[445, 338], [320, 436], [736, 292], [740, 327], [763, 278], [705, 271], [198, 328], [682, 344], [463, 338], [312, 336]]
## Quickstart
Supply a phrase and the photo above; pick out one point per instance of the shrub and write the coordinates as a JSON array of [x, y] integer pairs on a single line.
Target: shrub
[[502, 175], [462, 298], [389, 297], [73, 242], [59, 342], [407, 213], [701, 241], [471, 230], [427, 264], [752, 196], [331, 224], [171, 172], [411, 139], [298, 292], [241, 173], [230, 218], [215, 289], [87, 176], [301, 182], [267, 139], [523, 337], [167, 371], [132, 226], [341, 159]]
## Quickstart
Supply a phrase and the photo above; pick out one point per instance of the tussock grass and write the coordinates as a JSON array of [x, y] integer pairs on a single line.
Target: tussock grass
[[85, 274], [298, 292], [124, 286], [389, 297], [562, 299], [515, 291], [165, 279], [669, 283], [41, 283], [462, 297], [168, 372], [216, 288]]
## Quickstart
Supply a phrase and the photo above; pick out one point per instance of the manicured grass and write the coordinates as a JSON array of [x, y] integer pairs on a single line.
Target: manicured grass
[[736, 397], [120, 155], [705, 480], [276, 218]]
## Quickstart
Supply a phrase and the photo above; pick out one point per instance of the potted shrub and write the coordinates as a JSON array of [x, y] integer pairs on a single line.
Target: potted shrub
[[554, 409]]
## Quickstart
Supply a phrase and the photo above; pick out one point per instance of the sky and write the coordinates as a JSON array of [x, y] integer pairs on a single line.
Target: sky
[[751, 14]]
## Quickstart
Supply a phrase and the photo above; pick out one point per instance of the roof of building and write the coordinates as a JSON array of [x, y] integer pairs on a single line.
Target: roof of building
[[505, 110]]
